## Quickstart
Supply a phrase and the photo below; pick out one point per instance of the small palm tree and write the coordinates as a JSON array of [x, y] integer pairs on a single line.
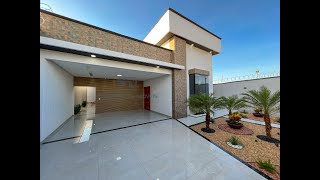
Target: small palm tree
[[233, 103], [263, 98], [207, 104]]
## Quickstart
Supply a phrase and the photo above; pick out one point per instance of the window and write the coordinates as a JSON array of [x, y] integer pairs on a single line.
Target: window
[[198, 84]]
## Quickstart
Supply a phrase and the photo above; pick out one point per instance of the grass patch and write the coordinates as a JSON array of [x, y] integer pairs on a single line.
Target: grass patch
[[234, 141], [243, 115], [266, 165], [277, 120]]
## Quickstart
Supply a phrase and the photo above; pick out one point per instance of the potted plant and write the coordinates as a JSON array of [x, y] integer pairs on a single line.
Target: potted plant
[[234, 121], [270, 102], [77, 108], [84, 103], [207, 104], [258, 112]]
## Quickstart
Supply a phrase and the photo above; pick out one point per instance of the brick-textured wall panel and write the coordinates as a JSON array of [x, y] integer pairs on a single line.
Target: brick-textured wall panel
[[67, 30], [179, 79], [115, 95], [199, 71]]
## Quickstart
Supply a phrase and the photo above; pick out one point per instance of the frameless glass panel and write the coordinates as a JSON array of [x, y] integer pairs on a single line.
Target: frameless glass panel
[[191, 84], [201, 84]]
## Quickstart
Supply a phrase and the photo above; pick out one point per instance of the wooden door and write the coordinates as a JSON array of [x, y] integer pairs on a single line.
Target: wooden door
[[147, 98]]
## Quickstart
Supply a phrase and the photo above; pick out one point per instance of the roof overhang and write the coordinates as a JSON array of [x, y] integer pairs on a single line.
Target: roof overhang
[[69, 47], [173, 23]]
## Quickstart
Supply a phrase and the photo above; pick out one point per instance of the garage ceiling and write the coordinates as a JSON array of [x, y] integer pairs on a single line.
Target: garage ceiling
[[84, 70]]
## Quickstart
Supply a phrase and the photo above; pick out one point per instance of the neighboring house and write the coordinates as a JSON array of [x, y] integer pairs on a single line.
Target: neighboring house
[[173, 62]]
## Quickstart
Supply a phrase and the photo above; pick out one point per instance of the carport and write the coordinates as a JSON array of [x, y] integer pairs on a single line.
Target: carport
[[120, 81]]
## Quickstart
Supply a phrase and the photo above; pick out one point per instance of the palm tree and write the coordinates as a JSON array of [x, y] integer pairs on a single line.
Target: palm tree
[[269, 102], [207, 104], [233, 103]]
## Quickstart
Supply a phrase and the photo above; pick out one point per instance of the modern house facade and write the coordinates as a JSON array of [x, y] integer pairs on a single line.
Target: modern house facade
[[158, 74]]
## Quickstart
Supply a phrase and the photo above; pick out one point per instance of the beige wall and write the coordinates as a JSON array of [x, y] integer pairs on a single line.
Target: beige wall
[[179, 81]]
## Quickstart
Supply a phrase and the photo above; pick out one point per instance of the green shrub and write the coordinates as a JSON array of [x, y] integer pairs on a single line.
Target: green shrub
[[234, 141], [277, 120], [243, 115], [258, 110], [266, 165], [84, 103], [77, 109]]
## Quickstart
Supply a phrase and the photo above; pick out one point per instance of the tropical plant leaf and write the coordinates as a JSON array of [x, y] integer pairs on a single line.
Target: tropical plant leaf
[[233, 103]]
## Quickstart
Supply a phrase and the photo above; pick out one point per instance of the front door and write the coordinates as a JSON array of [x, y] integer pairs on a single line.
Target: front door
[[147, 98]]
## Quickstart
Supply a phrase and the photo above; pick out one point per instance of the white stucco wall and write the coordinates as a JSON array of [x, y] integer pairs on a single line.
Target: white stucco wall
[[197, 58], [56, 96], [91, 94], [159, 30], [237, 88], [171, 22], [190, 31], [161, 94], [80, 94]]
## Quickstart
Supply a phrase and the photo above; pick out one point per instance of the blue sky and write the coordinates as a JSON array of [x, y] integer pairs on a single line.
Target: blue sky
[[250, 29]]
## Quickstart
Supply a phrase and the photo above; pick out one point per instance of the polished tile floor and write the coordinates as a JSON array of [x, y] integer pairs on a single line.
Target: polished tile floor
[[164, 150], [74, 126]]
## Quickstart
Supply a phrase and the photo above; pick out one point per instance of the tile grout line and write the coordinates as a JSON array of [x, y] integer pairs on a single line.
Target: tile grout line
[[234, 156], [105, 131], [130, 126], [61, 140]]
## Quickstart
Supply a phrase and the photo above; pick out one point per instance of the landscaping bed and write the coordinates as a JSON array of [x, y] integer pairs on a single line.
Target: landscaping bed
[[252, 117], [275, 176], [254, 148]]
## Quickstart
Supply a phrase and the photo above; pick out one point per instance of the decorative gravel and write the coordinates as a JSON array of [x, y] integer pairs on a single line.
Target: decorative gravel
[[274, 176], [252, 117], [252, 150], [243, 131]]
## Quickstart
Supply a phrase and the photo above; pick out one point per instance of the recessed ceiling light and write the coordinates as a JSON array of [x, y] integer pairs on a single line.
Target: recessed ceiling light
[[92, 55], [119, 75], [158, 67]]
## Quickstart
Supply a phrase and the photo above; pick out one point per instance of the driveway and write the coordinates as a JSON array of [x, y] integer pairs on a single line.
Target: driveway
[[162, 150]]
